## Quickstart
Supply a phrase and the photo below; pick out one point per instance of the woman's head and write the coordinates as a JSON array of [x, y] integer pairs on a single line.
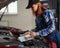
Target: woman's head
[[36, 6], [31, 2]]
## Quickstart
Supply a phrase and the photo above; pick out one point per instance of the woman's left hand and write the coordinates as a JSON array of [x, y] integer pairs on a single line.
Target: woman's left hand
[[33, 34]]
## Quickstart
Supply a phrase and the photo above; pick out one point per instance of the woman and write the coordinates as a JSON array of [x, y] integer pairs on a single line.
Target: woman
[[45, 23]]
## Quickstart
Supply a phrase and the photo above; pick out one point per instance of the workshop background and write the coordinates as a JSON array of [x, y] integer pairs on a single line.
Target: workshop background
[[24, 20]]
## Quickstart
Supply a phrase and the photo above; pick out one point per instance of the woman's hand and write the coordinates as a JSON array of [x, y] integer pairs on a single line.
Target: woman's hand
[[33, 34], [27, 33]]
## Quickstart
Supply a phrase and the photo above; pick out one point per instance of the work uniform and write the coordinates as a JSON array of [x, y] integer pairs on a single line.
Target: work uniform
[[45, 26]]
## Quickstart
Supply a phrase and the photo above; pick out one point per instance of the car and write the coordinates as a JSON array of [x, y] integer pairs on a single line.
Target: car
[[15, 31], [7, 40]]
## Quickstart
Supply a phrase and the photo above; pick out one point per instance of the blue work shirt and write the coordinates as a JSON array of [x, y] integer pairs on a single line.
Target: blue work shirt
[[45, 23], [45, 26]]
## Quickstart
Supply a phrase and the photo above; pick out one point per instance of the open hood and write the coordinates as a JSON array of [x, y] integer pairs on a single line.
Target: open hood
[[4, 3]]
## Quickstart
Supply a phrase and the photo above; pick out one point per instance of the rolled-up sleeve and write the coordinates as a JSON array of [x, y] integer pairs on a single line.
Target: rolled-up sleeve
[[49, 18]]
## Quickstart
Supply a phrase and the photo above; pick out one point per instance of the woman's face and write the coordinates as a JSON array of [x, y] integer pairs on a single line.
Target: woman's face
[[37, 7]]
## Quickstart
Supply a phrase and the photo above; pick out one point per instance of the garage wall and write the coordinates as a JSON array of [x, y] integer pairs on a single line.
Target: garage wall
[[24, 19]]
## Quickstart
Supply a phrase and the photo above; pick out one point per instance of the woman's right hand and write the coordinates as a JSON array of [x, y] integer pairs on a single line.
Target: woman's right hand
[[28, 33], [33, 34]]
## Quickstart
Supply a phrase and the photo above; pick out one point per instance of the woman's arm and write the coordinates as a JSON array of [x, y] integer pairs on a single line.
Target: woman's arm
[[49, 18]]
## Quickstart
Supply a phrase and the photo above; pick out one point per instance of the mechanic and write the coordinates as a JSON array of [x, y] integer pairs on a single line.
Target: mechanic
[[45, 23]]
